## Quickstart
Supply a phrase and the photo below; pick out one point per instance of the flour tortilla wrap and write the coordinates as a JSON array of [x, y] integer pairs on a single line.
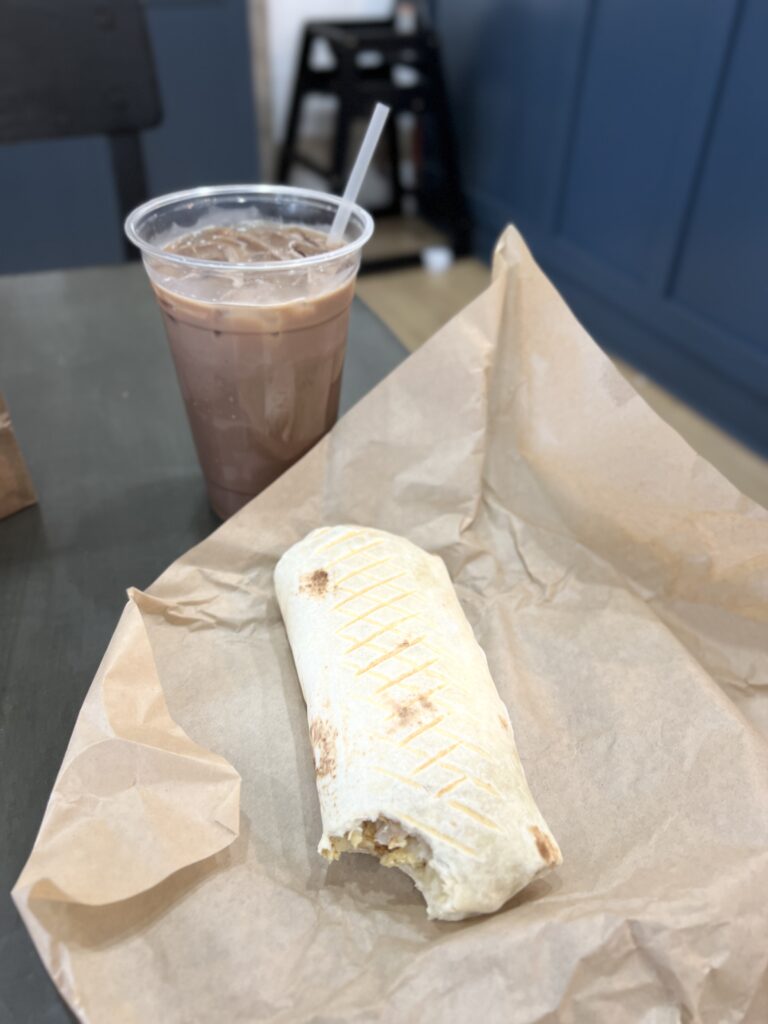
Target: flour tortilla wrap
[[414, 752]]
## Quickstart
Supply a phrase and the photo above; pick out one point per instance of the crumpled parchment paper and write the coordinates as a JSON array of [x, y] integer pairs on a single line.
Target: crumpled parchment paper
[[619, 586]]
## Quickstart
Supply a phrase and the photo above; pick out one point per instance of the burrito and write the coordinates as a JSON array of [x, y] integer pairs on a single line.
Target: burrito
[[414, 752]]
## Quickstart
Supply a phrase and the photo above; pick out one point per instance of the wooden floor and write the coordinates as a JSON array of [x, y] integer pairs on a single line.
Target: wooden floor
[[397, 235], [414, 303]]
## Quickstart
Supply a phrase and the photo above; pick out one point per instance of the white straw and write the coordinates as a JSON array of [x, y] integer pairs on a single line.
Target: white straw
[[359, 171]]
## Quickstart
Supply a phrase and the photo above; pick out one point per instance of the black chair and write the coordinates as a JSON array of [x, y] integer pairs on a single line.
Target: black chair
[[366, 59], [80, 67]]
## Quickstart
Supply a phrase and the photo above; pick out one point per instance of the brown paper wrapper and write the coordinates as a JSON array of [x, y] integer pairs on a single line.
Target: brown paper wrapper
[[16, 490], [618, 585]]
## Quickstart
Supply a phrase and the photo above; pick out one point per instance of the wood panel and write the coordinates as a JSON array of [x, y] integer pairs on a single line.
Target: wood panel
[[627, 142], [721, 271], [647, 83]]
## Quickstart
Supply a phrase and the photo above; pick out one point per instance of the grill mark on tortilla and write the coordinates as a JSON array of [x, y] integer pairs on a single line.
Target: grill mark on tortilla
[[470, 812], [397, 649]]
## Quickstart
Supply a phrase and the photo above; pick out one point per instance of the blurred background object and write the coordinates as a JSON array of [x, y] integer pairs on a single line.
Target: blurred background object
[[283, 22], [81, 69], [58, 196], [395, 61], [16, 489], [627, 141]]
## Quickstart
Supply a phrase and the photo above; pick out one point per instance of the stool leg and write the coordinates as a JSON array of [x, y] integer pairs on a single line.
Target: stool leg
[[393, 152], [394, 161], [289, 146], [340, 147]]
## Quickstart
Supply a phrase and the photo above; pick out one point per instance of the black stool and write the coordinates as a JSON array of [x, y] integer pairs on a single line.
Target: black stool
[[365, 56]]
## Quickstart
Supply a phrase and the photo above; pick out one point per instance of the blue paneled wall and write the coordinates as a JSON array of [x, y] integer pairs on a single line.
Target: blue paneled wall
[[628, 142]]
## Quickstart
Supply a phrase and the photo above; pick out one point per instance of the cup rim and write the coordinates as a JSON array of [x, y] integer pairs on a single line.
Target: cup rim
[[148, 249]]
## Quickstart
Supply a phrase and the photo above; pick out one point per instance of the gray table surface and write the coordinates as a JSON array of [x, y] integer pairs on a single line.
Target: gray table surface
[[88, 378]]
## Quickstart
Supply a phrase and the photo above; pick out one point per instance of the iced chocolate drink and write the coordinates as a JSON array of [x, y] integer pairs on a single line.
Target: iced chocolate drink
[[261, 382], [256, 312]]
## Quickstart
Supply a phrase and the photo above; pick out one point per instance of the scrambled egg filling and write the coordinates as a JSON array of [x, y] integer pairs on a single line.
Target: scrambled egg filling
[[386, 840], [396, 848]]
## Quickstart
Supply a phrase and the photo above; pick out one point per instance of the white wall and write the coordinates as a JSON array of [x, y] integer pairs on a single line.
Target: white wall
[[285, 19]]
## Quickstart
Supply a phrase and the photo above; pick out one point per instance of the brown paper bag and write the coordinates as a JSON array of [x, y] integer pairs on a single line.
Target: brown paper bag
[[16, 490], [618, 585]]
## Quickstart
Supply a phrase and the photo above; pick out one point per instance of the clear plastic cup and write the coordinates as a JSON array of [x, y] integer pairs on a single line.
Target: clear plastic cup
[[258, 347]]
